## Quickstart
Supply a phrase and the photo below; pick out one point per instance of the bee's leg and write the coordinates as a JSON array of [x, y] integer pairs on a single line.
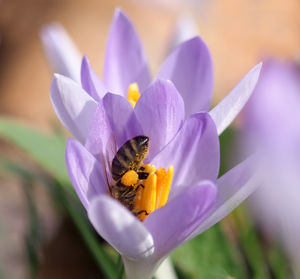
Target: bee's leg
[[140, 212], [126, 190], [129, 196], [137, 187], [128, 193], [123, 189], [124, 193]]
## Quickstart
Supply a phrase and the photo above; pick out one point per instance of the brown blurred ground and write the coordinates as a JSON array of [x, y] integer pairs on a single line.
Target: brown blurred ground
[[66, 256], [238, 32], [14, 215]]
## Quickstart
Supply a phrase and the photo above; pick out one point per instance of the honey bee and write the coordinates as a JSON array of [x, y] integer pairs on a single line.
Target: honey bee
[[129, 157]]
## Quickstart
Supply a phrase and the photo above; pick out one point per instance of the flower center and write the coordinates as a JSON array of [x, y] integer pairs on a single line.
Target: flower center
[[141, 188], [151, 192], [133, 94]]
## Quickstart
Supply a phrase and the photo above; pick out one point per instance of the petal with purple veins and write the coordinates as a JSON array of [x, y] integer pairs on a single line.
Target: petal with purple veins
[[101, 141], [122, 118], [73, 106], [194, 153], [160, 111], [125, 60], [190, 68], [123, 231], [172, 224], [85, 172]]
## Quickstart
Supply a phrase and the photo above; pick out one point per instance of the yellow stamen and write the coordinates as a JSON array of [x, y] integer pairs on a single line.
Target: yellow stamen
[[149, 193], [164, 179], [133, 94], [130, 178], [149, 168], [155, 191], [138, 200]]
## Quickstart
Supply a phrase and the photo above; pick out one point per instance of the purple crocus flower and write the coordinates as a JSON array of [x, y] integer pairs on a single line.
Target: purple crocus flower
[[173, 112], [272, 123], [189, 67]]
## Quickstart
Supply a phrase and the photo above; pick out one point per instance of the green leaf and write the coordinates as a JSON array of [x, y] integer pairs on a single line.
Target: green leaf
[[279, 262], [66, 198], [209, 255], [102, 258], [265, 260], [227, 146], [33, 237], [47, 150]]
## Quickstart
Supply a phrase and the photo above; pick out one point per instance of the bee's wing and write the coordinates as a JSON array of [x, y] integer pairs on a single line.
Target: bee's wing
[[106, 158]]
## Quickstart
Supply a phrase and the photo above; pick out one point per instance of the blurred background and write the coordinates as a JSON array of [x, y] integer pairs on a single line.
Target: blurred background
[[239, 33]]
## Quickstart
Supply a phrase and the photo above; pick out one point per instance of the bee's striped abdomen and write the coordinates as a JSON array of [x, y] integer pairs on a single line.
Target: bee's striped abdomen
[[129, 156]]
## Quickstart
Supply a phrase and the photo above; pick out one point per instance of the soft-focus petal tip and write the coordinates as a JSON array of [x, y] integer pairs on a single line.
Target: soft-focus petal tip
[[70, 142], [60, 79], [47, 29], [57, 77], [190, 68], [121, 70], [162, 82], [60, 50], [196, 40], [119, 14], [227, 110], [85, 60]]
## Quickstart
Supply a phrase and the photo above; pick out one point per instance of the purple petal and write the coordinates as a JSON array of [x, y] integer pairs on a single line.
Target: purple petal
[[73, 106], [233, 188], [160, 111], [125, 60], [274, 106], [194, 153], [189, 66], [172, 224], [122, 118], [85, 172], [120, 228], [226, 111], [62, 53], [100, 141], [90, 81]]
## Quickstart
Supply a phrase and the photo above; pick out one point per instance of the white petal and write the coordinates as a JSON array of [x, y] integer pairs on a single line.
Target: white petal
[[143, 269], [73, 106], [62, 53]]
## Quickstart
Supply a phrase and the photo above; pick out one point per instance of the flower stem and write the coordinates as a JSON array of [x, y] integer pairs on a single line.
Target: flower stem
[[166, 270]]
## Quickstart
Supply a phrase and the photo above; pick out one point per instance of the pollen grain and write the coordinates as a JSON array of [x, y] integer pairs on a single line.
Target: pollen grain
[[130, 178], [155, 191]]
